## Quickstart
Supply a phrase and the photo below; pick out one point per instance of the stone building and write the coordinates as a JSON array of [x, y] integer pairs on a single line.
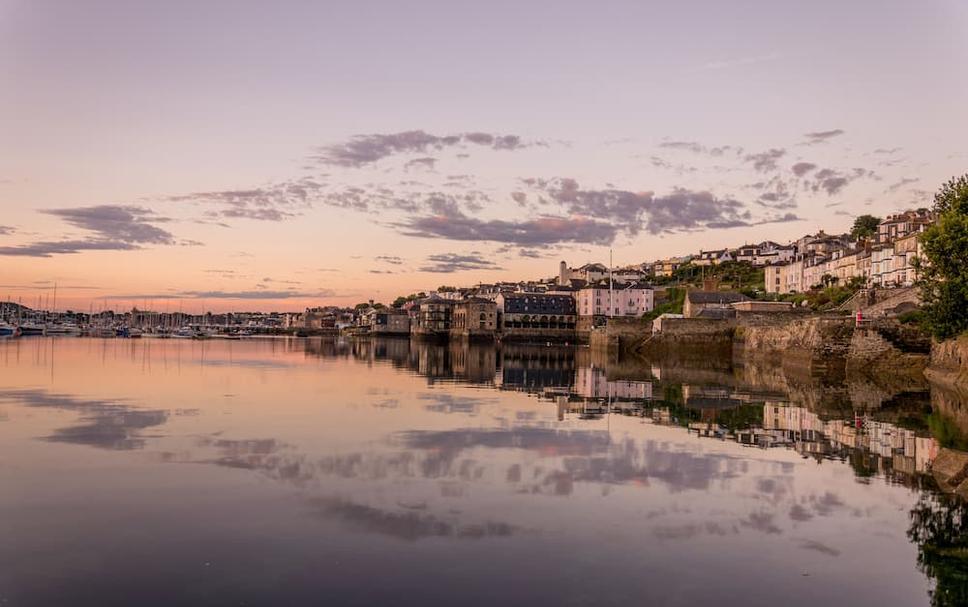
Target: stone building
[[389, 322], [698, 303], [474, 318]]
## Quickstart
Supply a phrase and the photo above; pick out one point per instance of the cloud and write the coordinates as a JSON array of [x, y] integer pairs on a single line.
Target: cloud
[[426, 163], [128, 224], [390, 259], [765, 161], [260, 294], [5, 230], [272, 202], [114, 227], [833, 181], [530, 232], [447, 263], [362, 150], [901, 183], [685, 209], [802, 168], [822, 136], [252, 295], [64, 247], [689, 146], [697, 148]]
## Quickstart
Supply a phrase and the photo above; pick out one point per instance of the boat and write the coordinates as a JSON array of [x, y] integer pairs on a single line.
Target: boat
[[32, 328], [9, 331], [62, 329], [184, 333]]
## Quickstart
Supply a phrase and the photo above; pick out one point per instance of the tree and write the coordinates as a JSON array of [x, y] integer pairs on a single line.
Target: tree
[[865, 226], [943, 273]]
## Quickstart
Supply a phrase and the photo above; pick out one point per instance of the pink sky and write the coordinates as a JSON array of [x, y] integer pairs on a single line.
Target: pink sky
[[245, 155]]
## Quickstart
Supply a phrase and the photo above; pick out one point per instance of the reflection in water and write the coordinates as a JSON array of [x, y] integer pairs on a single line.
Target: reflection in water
[[553, 459], [939, 527], [103, 424]]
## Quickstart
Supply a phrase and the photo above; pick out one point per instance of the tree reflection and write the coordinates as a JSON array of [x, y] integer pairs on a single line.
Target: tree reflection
[[939, 527]]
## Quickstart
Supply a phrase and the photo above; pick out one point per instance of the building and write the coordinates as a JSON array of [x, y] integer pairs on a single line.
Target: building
[[902, 224], [665, 268], [536, 315], [595, 304], [431, 317], [590, 272], [697, 303], [474, 318], [389, 322]]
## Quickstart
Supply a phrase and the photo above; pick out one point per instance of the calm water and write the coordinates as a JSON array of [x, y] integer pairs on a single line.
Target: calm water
[[272, 472]]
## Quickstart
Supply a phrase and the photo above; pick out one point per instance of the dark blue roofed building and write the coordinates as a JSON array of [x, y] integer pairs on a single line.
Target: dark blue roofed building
[[537, 316]]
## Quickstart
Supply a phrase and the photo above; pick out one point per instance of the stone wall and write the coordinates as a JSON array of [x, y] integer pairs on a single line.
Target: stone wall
[[949, 363]]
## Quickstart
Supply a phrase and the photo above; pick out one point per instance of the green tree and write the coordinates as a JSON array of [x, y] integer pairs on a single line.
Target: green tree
[[943, 273], [865, 226]]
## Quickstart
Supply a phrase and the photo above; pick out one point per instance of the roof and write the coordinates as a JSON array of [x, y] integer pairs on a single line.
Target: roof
[[717, 313], [713, 297], [541, 303]]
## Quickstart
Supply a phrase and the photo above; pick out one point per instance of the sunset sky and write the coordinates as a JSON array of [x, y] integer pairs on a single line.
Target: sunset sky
[[277, 155]]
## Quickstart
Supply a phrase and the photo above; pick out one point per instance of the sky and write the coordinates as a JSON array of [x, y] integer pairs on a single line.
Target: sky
[[247, 155]]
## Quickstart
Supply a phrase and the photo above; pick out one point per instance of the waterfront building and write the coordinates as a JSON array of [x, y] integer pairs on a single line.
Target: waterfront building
[[536, 315], [431, 317], [474, 318], [389, 321], [596, 303]]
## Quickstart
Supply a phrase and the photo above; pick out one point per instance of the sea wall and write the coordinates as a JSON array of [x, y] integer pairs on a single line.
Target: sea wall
[[809, 339]]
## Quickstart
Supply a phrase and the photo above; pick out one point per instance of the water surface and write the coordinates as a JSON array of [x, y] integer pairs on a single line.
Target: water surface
[[275, 471]]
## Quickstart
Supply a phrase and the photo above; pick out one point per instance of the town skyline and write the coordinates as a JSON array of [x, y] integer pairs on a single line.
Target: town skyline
[[310, 181]]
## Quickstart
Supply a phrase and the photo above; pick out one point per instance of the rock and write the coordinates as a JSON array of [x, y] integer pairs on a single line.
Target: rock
[[950, 469]]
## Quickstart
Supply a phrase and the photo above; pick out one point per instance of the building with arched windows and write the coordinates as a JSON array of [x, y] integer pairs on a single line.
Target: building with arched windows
[[474, 318], [550, 316]]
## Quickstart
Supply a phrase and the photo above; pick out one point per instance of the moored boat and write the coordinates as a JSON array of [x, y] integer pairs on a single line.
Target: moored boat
[[8, 330]]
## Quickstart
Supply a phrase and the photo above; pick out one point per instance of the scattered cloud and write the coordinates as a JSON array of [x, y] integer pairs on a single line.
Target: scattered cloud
[[765, 161], [272, 202], [5, 230], [390, 259], [698, 148], [64, 247], [821, 136], [447, 263], [362, 150], [833, 181], [904, 181], [425, 163], [802, 168], [530, 232], [128, 224], [113, 227]]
